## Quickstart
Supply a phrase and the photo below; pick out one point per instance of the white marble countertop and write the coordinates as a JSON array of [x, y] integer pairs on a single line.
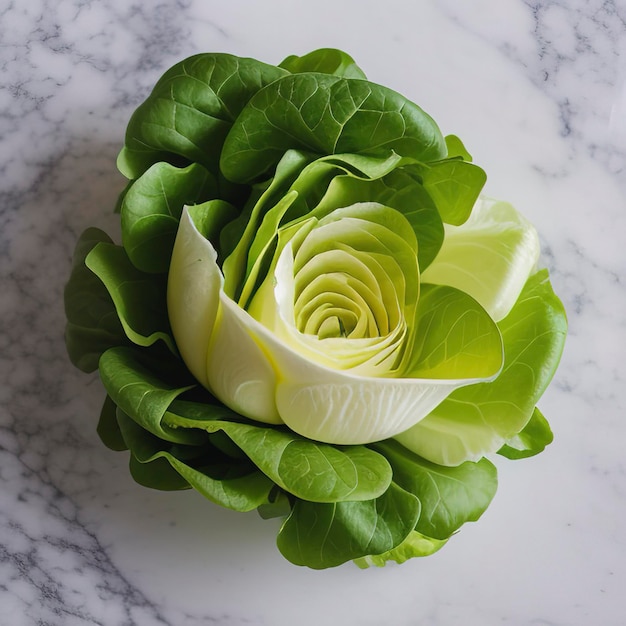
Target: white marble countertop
[[537, 89]]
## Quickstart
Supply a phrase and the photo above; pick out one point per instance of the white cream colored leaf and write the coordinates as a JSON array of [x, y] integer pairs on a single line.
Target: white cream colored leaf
[[217, 349], [238, 371], [337, 407], [194, 284], [490, 256]]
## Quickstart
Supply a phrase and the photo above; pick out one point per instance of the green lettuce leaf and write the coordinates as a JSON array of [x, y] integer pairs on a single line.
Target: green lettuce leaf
[[454, 186], [139, 298], [305, 468], [326, 115], [93, 325], [479, 419], [324, 61], [456, 149], [450, 496], [142, 395], [327, 535], [490, 256], [108, 428], [190, 111], [415, 545], [455, 337], [531, 440], [151, 209], [158, 464]]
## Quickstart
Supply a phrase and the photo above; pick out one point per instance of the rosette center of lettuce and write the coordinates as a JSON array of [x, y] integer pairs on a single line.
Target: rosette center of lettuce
[[345, 288]]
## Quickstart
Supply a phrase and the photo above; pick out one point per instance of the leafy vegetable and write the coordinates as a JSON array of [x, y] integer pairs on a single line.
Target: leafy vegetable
[[326, 115], [531, 440], [305, 468], [92, 321], [151, 208], [321, 536], [450, 496], [413, 546], [314, 312], [481, 418], [190, 111]]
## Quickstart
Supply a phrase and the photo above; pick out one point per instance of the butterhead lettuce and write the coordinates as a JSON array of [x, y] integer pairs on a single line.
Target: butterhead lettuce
[[314, 311]]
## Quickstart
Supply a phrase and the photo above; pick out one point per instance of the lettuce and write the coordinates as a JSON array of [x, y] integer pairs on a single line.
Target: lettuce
[[313, 312]]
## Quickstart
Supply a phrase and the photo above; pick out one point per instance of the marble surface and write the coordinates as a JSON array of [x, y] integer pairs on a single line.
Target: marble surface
[[537, 89]]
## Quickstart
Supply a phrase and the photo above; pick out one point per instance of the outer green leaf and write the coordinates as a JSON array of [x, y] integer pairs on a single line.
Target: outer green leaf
[[327, 115], [182, 413], [327, 535], [307, 469], [205, 407], [454, 186], [139, 298], [241, 493], [456, 149], [142, 395], [450, 496], [190, 111], [151, 210], [210, 218], [108, 429], [92, 322], [414, 545], [325, 61], [479, 419], [531, 440], [156, 474], [279, 505], [160, 465]]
